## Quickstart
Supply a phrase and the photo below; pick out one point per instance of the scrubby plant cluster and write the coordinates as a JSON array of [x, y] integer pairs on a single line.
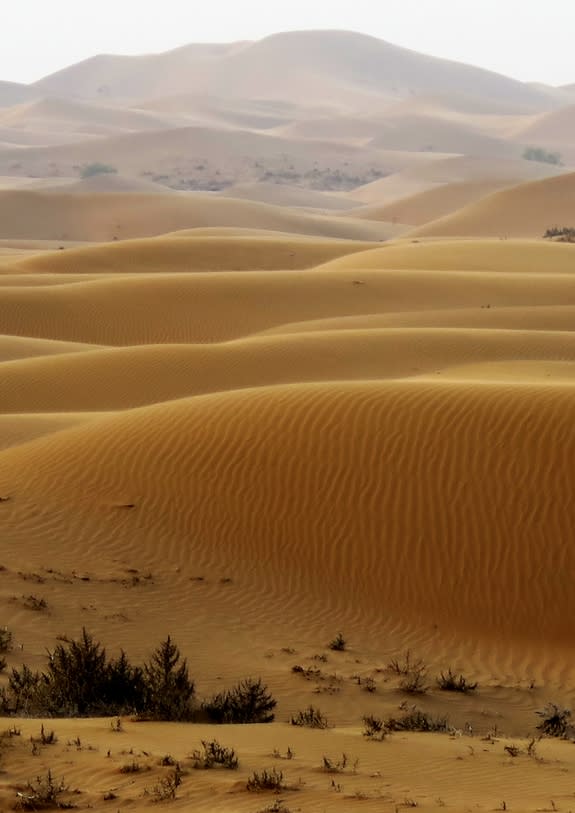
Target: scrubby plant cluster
[[80, 680], [310, 718], [376, 728], [563, 234], [542, 156]]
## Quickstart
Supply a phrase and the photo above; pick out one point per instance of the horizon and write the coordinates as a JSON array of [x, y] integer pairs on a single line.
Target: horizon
[[502, 38]]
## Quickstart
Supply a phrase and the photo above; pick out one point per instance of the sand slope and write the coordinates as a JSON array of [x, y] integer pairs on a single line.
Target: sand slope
[[527, 210]]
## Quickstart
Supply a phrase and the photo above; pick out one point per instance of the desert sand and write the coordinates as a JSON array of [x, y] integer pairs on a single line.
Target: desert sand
[[293, 360]]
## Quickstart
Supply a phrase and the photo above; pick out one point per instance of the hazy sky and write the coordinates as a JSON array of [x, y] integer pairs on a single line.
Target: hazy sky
[[529, 40]]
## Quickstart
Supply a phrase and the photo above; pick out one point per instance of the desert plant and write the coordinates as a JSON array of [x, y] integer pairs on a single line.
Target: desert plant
[[565, 234], [97, 168], [555, 721], [248, 702], [374, 728], [414, 682], [416, 721], [265, 780], [338, 644], [336, 766], [5, 640], [451, 682], [542, 156], [36, 603], [41, 793], [131, 767], [213, 754], [45, 737], [165, 790], [168, 689], [310, 718], [406, 664]]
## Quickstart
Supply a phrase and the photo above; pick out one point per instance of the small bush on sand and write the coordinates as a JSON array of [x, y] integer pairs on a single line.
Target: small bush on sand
[[566, 234], [265, 780], [555, 721], [165, 790], [42, 793], [414, 682], [168, 688], [451, 682], [374, 728], [310, 718], [212, 755], [5, 640], [416, 721], [406, 664], [248, 702], [97, 168], [338, 644]]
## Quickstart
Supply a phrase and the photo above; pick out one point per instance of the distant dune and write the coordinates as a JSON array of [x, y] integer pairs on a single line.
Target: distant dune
[[527, 210], [106, 216]]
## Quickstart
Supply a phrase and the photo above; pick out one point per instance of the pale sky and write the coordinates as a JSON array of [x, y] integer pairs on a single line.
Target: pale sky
[[527, 39]]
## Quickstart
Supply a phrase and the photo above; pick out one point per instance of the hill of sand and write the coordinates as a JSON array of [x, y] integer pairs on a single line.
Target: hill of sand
[[286, 195], [430, 204], [14, 93], [68, 216], [355, 64], [550, 129], [527, 210], [455, 169]]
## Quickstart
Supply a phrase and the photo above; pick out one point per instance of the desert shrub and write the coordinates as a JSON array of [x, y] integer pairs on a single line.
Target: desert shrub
[[248, 702], [555, 721], [165, 790], [310, 718], [542, 156], [405, 664], [451, 682], [46, 737], [265, 780], [42, 793], [97, 168], [36, 603], [213, 754], [565, 234], [338, 644], [131, 767], [414, 682], [416, 721], [374, 728], [24, 692], [336, 766], [5, 640], [168, 689]]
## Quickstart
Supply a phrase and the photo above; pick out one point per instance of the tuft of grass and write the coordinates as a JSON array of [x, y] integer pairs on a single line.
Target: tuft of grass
[[374, 728], [310, 718], [555, 721], [338, 644], [416, 721], [265, 780], [451, 682], [405, 665], [212, 755]]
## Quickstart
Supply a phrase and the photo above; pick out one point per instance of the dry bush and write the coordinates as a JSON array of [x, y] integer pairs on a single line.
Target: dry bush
[[374, 728], [416, 721], [213, 755], [451, 682], [265, 780], [555, 721], [338, 644], [406, 664], [43, 793], [414, 681], [165, 790], [310, 718]]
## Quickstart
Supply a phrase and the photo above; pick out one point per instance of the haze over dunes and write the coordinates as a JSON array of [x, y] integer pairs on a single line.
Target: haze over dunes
[[269, 372]]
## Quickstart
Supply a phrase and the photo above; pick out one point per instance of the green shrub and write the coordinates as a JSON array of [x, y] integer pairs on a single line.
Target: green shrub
[[168, 689], [97, 168], [248, 702], [542, 156]]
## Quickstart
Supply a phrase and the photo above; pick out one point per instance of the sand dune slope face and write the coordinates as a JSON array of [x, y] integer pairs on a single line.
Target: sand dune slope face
[[372, 498], [527, 210]]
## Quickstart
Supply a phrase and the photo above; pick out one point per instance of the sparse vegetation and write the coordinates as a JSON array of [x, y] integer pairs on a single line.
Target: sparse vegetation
[[414, 682], [165, 790], [563, 234], [168, 689], [405, 665], [5, 640], [338, 644], [451, 682], [248, 702], [97, 168], [42, 793], [266, 780], [212, 755], [542, 156], [555, 721], [416, 721], [310, 718], [374, 728]]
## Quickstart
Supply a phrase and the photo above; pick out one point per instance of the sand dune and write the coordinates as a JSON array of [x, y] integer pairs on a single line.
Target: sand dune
[[554, 128], [108, 216], [286, 195], [123, 378], [527, 210], [429, 205], [355, 64], [245, 474], [456, 169], [23, 347]]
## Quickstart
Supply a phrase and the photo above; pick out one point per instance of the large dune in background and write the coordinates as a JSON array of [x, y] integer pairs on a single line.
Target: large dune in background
[[527, 210]]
